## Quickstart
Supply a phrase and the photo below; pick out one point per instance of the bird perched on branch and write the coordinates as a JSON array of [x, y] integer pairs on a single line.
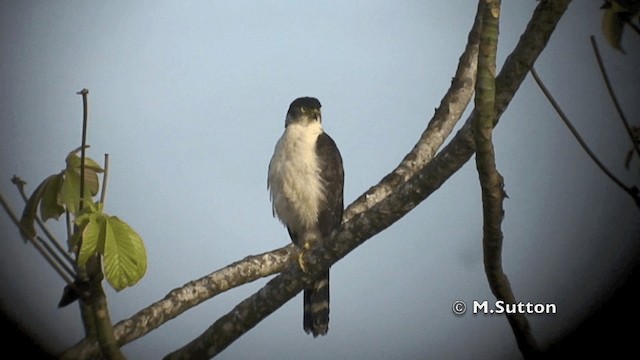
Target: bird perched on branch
[[306, 182]]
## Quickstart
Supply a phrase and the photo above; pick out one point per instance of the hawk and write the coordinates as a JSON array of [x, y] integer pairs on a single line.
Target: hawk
[[306, 182]]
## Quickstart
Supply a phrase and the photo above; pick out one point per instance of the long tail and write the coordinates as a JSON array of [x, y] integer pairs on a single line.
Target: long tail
[[316, 307]]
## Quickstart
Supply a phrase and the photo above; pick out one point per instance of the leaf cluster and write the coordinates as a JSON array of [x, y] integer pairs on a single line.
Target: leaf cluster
[[95, 233], [617, 15]]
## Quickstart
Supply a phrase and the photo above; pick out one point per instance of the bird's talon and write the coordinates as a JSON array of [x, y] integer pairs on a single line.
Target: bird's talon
[[303, 267]]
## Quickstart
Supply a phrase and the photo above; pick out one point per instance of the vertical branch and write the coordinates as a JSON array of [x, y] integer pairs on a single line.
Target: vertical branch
[[105, 177], [84, 93], [94, 307], [88, 317], [100, 310], [67, 221], [491, 181]]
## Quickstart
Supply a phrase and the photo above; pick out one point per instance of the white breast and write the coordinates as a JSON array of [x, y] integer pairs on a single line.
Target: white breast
[[294, 177]]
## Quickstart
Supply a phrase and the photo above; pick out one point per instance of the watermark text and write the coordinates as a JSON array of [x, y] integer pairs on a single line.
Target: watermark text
[[459, 307]]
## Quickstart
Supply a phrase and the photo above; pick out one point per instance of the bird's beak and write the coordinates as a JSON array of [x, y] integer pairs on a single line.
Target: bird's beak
[[316, 115]]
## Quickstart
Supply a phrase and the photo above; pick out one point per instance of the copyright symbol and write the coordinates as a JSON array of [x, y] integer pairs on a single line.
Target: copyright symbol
[[459, 307]]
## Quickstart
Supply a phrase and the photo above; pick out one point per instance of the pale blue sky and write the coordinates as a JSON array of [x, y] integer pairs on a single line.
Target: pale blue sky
[[189, 99]]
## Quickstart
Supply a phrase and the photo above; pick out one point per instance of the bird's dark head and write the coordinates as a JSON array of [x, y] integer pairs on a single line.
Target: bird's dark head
[[304, 110]]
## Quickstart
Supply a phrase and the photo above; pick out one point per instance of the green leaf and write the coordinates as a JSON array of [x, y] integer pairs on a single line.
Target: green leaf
[[50, 208], [90, 213], [91, 181], [612, 28], [91, 170], [27, 228], [125, 259], [59, 191], [73, 162], [617, 13], [70, 190], [93, 236]]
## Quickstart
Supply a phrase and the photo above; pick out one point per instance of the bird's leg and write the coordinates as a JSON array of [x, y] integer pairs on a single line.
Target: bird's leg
[[308, 240], [302, 251], [303, 267]]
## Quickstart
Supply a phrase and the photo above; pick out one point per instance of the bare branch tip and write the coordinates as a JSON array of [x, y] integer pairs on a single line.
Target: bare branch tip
[[17, 181]]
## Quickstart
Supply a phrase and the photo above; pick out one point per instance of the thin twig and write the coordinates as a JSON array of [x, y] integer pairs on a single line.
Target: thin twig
[[84, 93], [67, 220], [105, 177], [56, 257], [633, 26], [38, 243], [52, 239], [613, 96], [632, 191]]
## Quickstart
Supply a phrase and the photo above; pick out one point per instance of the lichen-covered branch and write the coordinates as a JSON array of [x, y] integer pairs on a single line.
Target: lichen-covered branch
[[246, 315], [189, 295], [451, 108], [363, 220], [363, 225], [446, 116], [460, 149]]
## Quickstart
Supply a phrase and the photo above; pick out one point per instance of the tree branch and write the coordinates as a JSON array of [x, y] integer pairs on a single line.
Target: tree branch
[[632, 191], [83, 146], [184, 298], [446, 116], [105, 178], [68, 262], [613, 96], [363, 224], [41, 246], [491, 182], [96, 303], [451, 108]]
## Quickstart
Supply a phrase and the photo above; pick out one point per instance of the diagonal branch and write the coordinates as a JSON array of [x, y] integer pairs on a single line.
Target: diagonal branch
[[363, 224], [20, 184], [41, 246], [632, 191], [613, 96], [452, 106], [446, 116], [189, 295], [633, 26]]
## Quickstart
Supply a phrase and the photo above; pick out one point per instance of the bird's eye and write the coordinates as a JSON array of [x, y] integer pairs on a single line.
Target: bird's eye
[[303, 109]]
